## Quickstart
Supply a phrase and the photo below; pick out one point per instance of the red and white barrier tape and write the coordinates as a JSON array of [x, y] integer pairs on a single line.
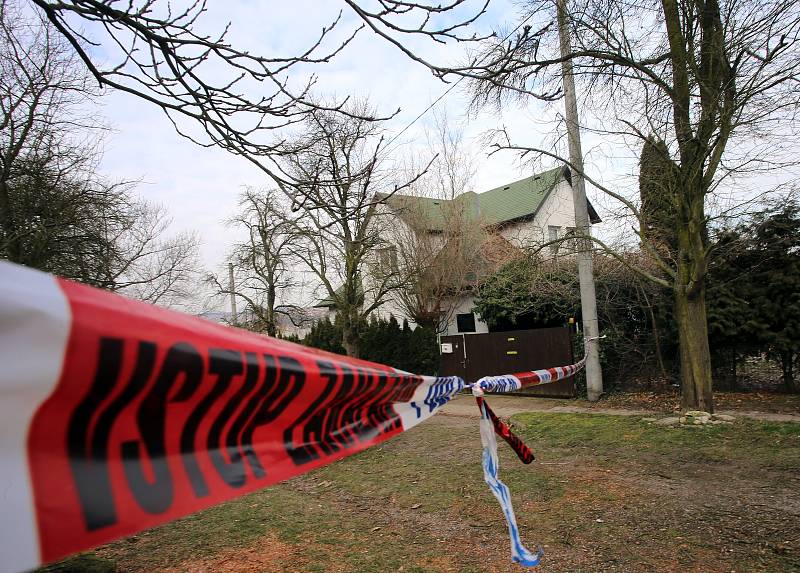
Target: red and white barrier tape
[[116, 415], [491, 425]]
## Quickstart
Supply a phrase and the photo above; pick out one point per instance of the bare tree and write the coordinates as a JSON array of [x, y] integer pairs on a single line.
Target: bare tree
[[340, 171], [453, 170], [140, 259], [710, 80], [56, 213], [203, 83], [263, 261], [445, 258], [47, 140], [83, 228], [435, 255], [442, 243], [213, 93]]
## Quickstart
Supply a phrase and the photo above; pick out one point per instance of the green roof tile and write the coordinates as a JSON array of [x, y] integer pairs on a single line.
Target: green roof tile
[[518, 199], [506, 203]]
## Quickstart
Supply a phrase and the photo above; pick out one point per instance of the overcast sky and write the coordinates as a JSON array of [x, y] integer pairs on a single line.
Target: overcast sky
[[200, 186]]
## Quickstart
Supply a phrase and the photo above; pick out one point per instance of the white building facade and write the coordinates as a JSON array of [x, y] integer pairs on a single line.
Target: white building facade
[[523, 215]]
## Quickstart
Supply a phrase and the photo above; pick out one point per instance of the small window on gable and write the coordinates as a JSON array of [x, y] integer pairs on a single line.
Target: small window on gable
[[553, 232], [466, 322], [388, 259]]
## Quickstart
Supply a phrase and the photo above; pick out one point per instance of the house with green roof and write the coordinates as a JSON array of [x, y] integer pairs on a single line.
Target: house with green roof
[[521, 211], [519, 215]]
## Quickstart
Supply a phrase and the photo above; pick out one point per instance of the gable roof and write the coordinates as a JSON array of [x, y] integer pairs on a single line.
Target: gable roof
[[496, 206], [518, 199]]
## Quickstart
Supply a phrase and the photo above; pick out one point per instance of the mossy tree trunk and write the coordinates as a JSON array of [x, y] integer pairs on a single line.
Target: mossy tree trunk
[[690, 286], [695, 358]]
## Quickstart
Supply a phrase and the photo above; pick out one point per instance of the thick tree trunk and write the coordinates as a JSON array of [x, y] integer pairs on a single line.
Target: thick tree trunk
[[350, 334], [350, 343], [272, 326], [690, 284], [690, 314]]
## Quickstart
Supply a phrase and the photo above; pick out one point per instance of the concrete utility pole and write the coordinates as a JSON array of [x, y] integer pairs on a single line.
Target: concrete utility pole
[[594, 375], [234, 317]]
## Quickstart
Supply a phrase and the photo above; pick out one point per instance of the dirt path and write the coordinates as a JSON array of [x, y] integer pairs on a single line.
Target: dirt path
[[464, 405]]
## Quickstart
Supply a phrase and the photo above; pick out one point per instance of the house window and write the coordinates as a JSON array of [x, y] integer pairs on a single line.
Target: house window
[[387, 258], [466, 322], [552, 235]]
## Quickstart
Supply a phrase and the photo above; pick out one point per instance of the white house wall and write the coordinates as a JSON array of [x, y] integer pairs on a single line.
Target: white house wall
[[464, 305], [393, 230], [392, 308], [557, 210]]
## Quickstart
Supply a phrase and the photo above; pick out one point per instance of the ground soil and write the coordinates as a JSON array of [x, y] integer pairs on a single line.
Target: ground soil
[[698, 518]]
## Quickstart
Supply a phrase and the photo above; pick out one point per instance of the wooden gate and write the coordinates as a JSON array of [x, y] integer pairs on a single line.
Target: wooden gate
[[472, 356]]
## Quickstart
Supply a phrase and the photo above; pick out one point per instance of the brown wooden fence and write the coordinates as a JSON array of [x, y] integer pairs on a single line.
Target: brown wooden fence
[[472, 356]]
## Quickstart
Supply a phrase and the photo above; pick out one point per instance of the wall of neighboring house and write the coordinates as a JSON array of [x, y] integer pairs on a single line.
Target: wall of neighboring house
[[464, 305], [556, 214]]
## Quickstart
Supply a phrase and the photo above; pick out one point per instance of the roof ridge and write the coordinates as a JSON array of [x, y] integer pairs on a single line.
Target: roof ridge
[[508, 202], [533, 176]]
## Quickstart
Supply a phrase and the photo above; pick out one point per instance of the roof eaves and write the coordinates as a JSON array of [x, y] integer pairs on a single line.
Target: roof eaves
[[594, 218]]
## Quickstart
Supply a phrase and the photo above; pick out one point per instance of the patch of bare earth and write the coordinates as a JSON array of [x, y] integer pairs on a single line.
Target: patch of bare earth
[[629, 521], [267, 554]]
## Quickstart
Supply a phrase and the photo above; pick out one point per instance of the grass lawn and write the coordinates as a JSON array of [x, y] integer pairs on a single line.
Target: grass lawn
[[606, 493]]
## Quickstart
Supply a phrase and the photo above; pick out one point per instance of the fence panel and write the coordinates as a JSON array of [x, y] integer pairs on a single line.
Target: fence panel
[[510, 352]]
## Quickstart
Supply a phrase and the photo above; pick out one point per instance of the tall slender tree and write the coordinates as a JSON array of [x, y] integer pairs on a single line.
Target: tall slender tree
[[657, 192], [338, 164], [262, 261]]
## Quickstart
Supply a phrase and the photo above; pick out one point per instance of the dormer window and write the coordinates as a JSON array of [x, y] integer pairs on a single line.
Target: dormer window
[[387, 259]]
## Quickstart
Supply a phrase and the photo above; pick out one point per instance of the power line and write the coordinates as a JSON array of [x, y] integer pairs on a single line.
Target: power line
[[452, 87]]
